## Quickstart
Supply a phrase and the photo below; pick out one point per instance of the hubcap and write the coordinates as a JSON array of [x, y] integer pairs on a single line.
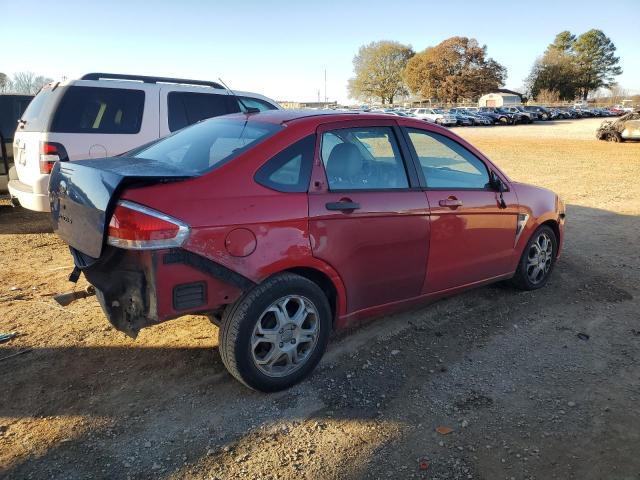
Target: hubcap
[[539, 258], [285, 335]]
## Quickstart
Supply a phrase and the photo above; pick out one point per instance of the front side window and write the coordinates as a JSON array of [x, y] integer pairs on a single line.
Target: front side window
[[366, 158], [289, 170], [99, 110], [187, 108], [447, 164], [206, 145]]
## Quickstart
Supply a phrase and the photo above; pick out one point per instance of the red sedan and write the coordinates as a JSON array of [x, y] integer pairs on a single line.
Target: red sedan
[[284, 225]]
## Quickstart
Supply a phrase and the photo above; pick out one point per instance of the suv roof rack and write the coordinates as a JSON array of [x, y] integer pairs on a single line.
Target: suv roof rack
[[146, 79]]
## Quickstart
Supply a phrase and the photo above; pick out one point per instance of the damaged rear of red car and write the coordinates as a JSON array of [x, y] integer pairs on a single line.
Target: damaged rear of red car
[[281, 226]]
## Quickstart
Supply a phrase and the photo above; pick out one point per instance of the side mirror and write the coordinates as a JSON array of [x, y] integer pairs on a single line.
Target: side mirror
[[496, 183]]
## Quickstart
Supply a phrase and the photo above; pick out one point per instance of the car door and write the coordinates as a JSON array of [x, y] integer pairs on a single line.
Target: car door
[[368, 217], [472, 230]]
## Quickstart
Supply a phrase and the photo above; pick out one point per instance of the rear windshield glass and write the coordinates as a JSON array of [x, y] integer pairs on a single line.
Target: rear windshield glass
[[207, 144], [99, 110], [37, 116]]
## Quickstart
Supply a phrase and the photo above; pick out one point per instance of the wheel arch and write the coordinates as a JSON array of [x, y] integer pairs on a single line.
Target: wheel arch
[[553, 224], [326, 284]]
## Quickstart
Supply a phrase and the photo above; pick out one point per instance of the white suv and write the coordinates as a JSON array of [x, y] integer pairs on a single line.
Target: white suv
[[435, 115], [102, 115]]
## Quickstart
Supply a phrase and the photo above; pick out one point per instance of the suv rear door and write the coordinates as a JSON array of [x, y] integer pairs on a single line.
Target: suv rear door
[[367, 216]]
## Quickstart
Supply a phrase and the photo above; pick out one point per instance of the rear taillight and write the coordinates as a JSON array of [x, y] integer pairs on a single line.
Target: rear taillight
[[137, 227], [50, 153]]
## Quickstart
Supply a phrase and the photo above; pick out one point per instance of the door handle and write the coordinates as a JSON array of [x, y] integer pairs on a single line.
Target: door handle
[[343, 205], [451, 202]]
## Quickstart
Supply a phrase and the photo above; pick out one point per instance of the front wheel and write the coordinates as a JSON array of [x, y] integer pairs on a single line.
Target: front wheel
[[275, 335], [537, 261]]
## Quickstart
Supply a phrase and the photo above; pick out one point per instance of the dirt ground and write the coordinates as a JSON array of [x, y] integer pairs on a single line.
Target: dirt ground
[[534, 385]]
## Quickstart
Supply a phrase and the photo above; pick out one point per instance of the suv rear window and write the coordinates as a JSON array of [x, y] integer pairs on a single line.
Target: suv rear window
[[207, 145], [187, 108], [99, 110]]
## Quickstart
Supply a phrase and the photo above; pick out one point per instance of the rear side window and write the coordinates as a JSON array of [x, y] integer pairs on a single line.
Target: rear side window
[[366, 158], [289, 170], [187, 108], [99, 110]]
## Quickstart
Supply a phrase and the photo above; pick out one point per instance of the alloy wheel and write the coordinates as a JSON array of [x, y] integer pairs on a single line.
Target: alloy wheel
[[285, 336], [539, 258]]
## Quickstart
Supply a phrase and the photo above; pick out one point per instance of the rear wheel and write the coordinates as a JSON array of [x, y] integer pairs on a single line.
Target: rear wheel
[[537, 261], [275, 335], [614, 137]]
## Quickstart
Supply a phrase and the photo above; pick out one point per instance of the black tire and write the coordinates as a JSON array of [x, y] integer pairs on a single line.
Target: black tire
[[240, 319], [504, 120], [614, 137], [522, 278]]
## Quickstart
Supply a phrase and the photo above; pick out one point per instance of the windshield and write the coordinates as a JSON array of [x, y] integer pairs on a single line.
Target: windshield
[[438, 110], [207, 144]]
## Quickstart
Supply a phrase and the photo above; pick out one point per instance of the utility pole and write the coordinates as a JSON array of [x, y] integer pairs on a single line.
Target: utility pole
[[325, 85]]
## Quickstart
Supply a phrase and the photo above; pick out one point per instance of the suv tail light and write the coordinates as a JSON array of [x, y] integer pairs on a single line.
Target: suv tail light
[[137, 227], [50, 153]]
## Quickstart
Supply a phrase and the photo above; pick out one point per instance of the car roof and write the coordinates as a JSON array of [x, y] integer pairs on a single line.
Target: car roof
[[324, 116]]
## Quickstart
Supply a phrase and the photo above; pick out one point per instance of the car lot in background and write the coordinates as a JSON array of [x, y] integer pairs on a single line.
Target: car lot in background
[[102, 115]]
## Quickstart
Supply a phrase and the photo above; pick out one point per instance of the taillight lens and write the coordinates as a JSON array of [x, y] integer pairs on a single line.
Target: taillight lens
[[50, 153], [137, 227]]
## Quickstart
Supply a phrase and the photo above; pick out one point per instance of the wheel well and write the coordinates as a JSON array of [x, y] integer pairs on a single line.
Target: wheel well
[[554, 226], [323, 281]]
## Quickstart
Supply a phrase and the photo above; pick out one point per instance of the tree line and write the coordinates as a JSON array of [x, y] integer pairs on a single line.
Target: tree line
[[459, 69], [26, 83]]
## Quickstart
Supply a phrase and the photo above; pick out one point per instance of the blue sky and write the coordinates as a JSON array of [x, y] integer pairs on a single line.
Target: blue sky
[[281, 48]]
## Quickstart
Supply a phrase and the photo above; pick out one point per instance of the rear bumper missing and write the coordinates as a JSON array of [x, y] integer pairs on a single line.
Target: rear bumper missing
[[137, 289]]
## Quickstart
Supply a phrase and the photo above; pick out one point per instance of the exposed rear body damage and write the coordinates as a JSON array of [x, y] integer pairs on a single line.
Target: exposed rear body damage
[[137, 289]]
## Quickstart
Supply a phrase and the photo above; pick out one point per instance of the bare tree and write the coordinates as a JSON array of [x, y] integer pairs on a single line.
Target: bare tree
[[28, 83], [4, 81], [617, 93], [548, 97]]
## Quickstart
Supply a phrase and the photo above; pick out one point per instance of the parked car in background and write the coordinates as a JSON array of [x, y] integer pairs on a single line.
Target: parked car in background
[[525, 116], [103, 115], [435, 115], [11, 108], [462, 119], [544, 113], [499, 116], [627, 127], [276, 257], [477, 118]]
